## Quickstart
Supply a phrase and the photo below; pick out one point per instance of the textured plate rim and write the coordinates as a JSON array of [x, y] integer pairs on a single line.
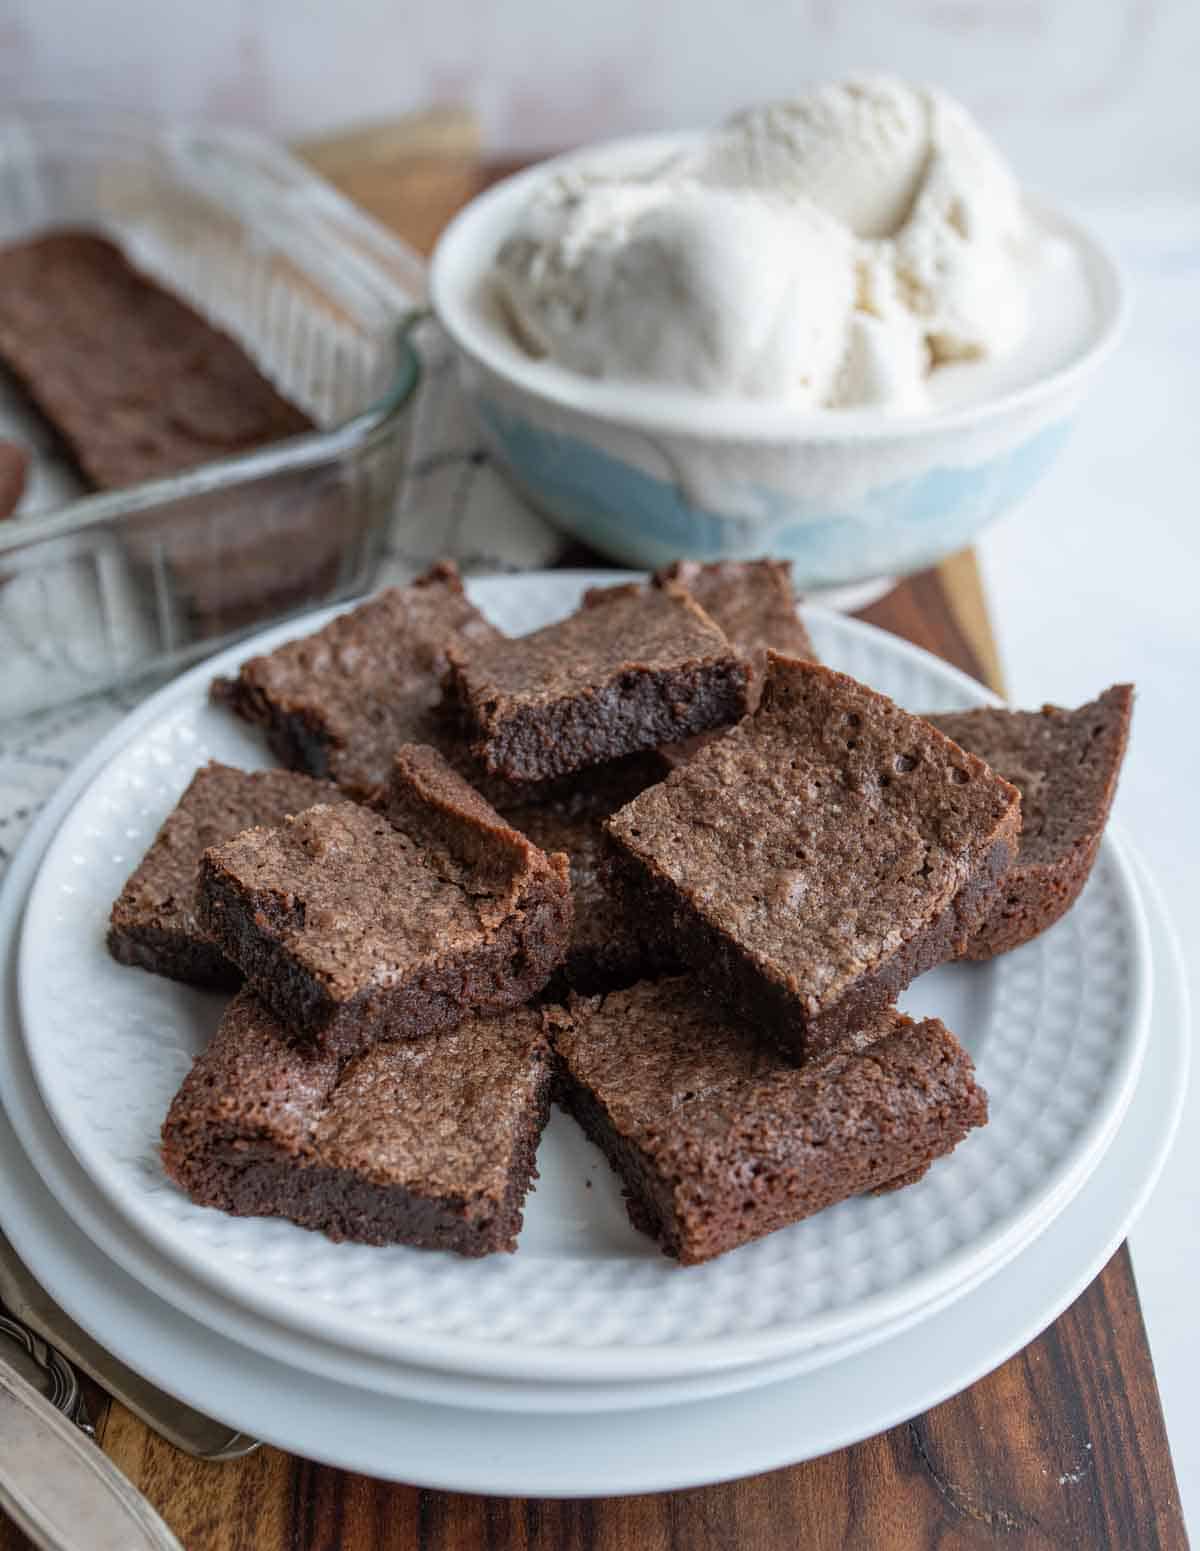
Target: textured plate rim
[[614, 1363]]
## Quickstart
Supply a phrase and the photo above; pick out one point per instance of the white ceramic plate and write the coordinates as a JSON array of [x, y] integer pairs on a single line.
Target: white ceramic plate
[[1057, 1028], [592, 1455]]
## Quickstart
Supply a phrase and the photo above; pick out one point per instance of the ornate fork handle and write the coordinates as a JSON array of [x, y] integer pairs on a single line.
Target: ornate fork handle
[[60, 1385]]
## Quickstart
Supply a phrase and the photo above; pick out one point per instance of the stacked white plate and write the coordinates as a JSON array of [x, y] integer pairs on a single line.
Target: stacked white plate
[[587, 1362]]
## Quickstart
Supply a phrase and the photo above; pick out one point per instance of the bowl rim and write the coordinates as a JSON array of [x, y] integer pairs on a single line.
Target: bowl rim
[[683, 413]]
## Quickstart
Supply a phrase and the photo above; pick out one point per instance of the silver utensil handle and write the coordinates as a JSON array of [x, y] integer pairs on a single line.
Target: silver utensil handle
[[182, 1425], [60, 1489]]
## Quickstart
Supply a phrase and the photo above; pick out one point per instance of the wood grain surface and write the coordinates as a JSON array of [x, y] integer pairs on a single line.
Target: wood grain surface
[[1061, 1447]]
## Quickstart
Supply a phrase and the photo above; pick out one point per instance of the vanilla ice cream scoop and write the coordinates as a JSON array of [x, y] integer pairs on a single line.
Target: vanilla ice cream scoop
[[828, 252], [721, 290], [858, 149], [962, 258]]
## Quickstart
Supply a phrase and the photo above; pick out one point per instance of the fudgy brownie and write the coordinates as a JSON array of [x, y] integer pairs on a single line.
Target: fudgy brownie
[[154, 923], [1065, 765], [815, 859], [430, 1144], [633, 668], [239, 556], [355, 925], [136, 382], [340, 702], [719, 1140], [754, 603], [608, 948]]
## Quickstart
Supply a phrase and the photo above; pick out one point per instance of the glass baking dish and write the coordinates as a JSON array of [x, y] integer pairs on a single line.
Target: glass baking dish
[[98, 589]]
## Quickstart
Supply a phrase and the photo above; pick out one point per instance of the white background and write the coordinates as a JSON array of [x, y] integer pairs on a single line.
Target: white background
[[1096, 579], [1095, 101], [1084, 94]]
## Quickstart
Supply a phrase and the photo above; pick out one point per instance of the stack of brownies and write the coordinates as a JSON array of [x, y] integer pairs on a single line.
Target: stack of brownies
[[654, 859]]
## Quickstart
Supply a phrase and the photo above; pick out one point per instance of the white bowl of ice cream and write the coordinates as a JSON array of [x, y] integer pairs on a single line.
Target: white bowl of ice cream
[[834, 331]]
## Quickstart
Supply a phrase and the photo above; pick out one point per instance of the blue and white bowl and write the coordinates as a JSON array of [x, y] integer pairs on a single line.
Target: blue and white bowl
[[647, 475]]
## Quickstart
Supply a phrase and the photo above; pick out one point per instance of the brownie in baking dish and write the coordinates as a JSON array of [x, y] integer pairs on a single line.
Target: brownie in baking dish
[[14, 473], [137, 383], [718, 1139], [340, 702], [815, 859], [354, 925], [608, 947], [154, 923], [429, 1143], [1065, 765], [633, 668]]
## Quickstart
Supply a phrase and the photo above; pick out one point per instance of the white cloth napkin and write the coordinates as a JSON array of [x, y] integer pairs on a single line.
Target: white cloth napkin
[[453, 499]]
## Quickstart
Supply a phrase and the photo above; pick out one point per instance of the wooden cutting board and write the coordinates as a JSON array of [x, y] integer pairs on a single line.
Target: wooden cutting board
[[1062, 1446]]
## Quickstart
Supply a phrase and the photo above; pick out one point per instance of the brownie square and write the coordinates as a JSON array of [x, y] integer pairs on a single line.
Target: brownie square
[[754, 603], [137, 383], [430, 1144], [633, 668], [354, 925], [608, 947], [1065, 765], [719, 1140], [815, 859], [340, 702], [155, 921]]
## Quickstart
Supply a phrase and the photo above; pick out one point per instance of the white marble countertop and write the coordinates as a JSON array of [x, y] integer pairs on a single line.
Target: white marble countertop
[[1097, 579]]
